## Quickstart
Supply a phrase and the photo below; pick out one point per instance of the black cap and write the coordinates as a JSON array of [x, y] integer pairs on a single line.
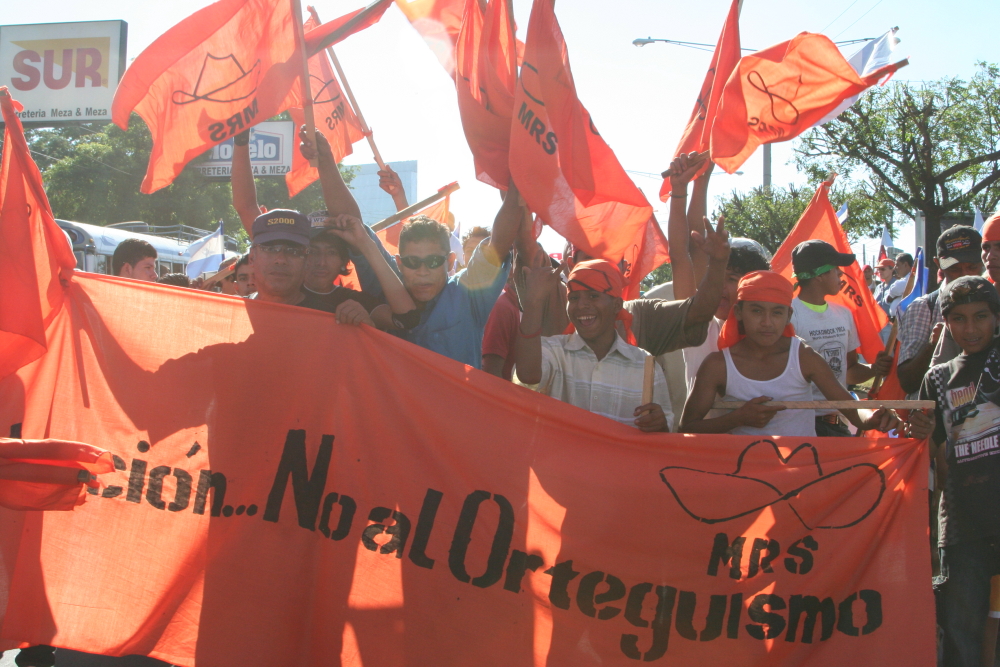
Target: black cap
[[969, 289], [814, 258], [960, 243], [281, 225]]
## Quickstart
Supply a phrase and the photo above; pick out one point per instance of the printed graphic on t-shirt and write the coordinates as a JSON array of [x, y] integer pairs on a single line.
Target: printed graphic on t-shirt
[[973, 419], [833, 352]]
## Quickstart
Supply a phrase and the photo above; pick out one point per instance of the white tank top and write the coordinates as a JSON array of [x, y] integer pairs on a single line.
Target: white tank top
[[789, 386]]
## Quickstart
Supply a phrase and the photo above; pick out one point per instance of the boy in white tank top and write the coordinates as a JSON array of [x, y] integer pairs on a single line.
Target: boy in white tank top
[[760, 361]]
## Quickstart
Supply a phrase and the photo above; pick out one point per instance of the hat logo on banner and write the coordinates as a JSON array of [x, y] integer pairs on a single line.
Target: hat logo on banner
[[324, 85], [218, 75], [751, 494]]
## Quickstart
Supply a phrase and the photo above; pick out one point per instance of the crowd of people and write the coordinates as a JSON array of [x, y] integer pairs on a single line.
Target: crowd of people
[[740, 333]]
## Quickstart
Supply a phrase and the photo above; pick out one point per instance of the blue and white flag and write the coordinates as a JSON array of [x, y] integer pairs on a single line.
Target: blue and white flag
[[873, 55], [843, 214], [206, 253], [979, 222], [919, 284]]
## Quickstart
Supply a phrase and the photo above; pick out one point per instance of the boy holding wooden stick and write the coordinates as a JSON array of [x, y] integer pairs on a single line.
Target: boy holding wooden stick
[[761, 360]]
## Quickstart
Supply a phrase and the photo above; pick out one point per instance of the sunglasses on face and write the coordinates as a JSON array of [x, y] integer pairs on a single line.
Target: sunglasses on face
[[280, 248], [431, 261]]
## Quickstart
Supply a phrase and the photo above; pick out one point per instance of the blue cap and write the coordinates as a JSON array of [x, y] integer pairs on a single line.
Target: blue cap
[[281, 225]]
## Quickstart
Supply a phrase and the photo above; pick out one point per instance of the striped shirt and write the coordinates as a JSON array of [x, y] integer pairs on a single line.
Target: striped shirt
[[611, 387]]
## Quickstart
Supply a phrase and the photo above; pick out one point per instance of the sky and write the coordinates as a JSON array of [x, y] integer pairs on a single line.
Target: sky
[[639, 97]]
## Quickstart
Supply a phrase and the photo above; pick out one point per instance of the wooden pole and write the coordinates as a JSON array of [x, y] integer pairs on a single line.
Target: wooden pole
[[413, 208], [350, 96], [704, 155], [647, 379], [832, 405], [307, 97]]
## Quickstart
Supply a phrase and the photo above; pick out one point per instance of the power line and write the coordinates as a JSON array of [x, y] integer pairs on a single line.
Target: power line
[[859, 18], [839, 15]]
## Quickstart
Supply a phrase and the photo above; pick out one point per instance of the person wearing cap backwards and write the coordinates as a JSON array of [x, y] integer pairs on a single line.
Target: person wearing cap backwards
[[761, 360], [281, 244], [593, 367], [966, 390], [829, 328], [959, 253]]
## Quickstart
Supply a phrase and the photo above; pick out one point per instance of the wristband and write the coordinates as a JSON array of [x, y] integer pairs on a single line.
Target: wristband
[[683, 196], [534, 335], [242, 139]]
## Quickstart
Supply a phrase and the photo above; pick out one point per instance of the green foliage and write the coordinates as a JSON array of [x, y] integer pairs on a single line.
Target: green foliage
[[932, 147], [662, 274], [767, 215], [93, 172]]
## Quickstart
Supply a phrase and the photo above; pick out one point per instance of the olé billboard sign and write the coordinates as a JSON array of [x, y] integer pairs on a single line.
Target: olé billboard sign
[[63, 71], [271, 145]]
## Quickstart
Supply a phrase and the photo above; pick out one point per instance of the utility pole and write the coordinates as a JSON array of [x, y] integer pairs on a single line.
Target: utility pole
[[767, 166]]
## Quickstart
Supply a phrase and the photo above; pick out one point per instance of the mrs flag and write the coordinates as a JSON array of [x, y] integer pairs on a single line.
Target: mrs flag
[[218, 72], [698, 133], [566, 172], [778, 93]]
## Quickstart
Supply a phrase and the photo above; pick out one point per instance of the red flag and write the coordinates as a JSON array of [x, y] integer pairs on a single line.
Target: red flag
[[485, 76], [698, 133], [34, 253], [318, 37], [778, 93], [221, 70], [438, 22], [819, 221], [565, 171], [390, 235], [335, 118]]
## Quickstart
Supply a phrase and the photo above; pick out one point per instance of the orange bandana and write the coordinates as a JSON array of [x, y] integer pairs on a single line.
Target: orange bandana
[[991, 228], [602, 276], [757, 286]]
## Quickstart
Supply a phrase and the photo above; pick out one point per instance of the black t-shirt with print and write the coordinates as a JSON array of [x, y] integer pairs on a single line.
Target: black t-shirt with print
[[967, 393]]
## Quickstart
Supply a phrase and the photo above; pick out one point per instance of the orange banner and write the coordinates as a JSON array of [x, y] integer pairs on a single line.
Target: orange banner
[[292, 491]]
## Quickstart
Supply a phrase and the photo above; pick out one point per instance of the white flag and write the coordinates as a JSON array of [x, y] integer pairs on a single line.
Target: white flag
[[876, 53], [979, 222], [206, 253]]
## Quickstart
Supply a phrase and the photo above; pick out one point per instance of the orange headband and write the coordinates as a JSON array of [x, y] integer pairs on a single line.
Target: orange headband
[[991, 228], [602, 276], [765, 286]]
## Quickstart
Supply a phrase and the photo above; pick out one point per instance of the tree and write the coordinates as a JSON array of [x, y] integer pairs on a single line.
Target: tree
[[929, 148], [767, 215], [93, 171]]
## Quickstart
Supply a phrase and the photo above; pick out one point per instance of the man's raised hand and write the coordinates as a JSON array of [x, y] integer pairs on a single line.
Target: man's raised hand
[[308, 146], [351, 229], [539, 282], [683, 168], [715, 243], [390, 182]]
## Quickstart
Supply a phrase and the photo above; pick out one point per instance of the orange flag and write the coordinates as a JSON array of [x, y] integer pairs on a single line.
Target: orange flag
[[779, 93], [819, 221], [335, 118], [438, 22], [318, 37], [221, 70], [35, 254], [485, 76], [565, 171], [390, 235], [697, 135], [291, 533]]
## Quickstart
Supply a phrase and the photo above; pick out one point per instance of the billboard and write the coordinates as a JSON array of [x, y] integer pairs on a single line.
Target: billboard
[[63, 72], [271, 145]]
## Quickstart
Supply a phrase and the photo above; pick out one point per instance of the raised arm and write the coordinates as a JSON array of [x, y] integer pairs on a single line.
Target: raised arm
[[352, 230], [389, 181], [715, 246], [697, 215], [682, 169], [539, 283], [336, 195], [507, 223], [241, 177]]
